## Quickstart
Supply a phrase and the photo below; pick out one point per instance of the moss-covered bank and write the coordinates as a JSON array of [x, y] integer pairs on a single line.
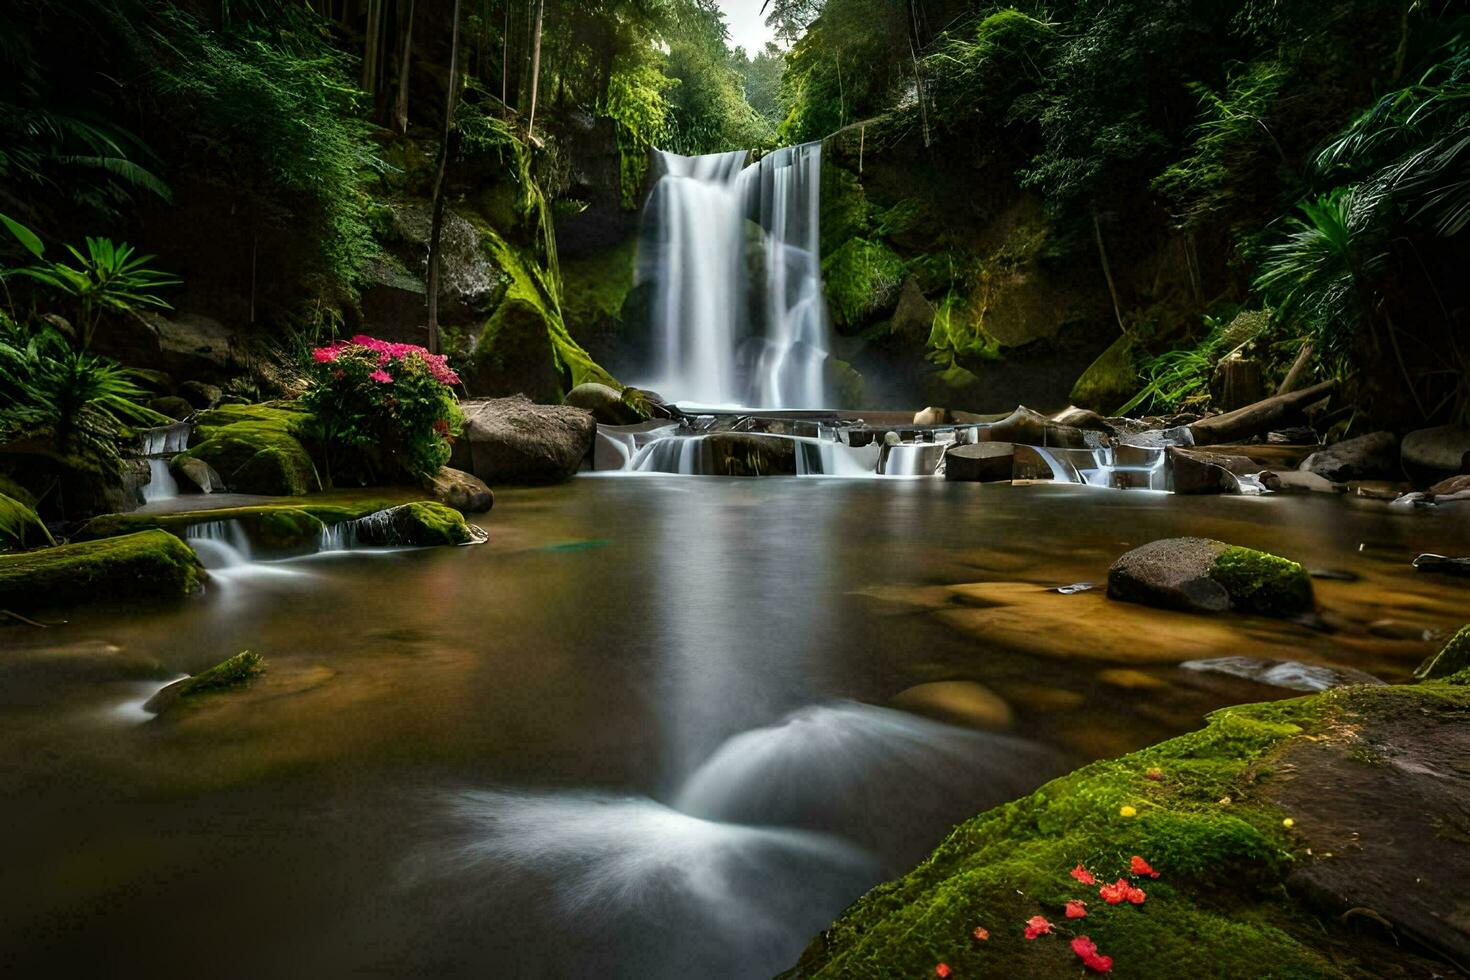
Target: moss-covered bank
[[256, 448], [1197, 808], [146, 564]]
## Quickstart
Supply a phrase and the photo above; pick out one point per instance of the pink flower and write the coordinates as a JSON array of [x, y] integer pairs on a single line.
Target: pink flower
[[1083, 875], [326, 355], [1037, 926], [1086, 949], [381, 375], [1076, 909]]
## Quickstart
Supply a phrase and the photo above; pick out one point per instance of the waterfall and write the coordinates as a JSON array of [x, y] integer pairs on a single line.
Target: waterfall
[[160, 444], [731, 254]]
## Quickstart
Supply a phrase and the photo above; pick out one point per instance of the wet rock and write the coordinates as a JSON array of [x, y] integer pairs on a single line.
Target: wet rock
[[193, 475], [605, 403], [1083, 418], [1131, 679], [463, 491], [1454, 658], [173, 406], [419, 524], [1377, 489], [746, 454], [513, 440], [1289, 674], [147, 564], [1298, 481], [1368, 457], [958, 702], [1027, 464], [1451, 487], [1193, 472], [1443, 564], [1394, 629], [933, 416], [1172, 573], [1432, 454], [201, 395], [1204, 575], [239, 669], [255, 449], [981, 462], [1029, 428]]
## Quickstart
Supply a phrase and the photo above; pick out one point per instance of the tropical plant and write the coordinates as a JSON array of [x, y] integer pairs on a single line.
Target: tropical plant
[[73, 402], [109, 277], [382, 410], [1181, 377]]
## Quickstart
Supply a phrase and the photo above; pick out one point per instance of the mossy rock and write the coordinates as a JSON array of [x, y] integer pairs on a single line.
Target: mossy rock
[[1452, 660], [20, 527], [1263, 583], [1197, 808], [284, 415], [422, 523], [239, 669], [147, 564], [1108, 381], [862, 280], [260, 454], [280, 529]]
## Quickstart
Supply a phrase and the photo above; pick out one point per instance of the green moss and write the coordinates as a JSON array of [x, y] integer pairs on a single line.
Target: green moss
[[1452, 661], [958, 334], [1108, 381], [422, 523], [146, 564], [237, 670], [15, 491], [1218, 909], [20, 527], [862, 280], [595, 286], [256, 449], [1263, 583], [281, 529], [844, 207]]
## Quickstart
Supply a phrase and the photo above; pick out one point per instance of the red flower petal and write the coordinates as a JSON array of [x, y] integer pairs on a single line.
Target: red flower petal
[[1036, 926], [1083, 875], [1140, 867], [981, 933], [1086, 949], [1100, 964], [1076, 909], [1116, 892], [942, 970], [1136, 895]]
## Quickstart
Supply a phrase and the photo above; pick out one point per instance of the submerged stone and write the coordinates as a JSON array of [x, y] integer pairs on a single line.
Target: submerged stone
[[1365, 458], [959, 702], [463, 491], [147, 564], [237, 670], [1204, 575]]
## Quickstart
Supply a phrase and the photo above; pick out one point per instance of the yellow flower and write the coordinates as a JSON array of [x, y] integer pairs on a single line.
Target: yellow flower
[[1288, 822], [1127, 811]]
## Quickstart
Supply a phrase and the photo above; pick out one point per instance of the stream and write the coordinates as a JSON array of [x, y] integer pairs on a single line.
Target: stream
[[645, 731]]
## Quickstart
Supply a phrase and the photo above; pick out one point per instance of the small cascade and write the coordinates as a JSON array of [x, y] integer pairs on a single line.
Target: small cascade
[[220, 545], [159, 445], [731, 254]]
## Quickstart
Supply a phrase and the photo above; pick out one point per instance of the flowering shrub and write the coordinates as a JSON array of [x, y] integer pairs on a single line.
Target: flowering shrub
[[382, 410]]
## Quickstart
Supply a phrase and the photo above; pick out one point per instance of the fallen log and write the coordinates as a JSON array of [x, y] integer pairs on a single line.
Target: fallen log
[[1256, 418]]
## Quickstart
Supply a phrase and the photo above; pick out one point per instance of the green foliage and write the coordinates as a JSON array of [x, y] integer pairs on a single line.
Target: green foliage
[[862, 278], [110, 277], [637, 102], [1178, 378], [19, 526], [73, 401], [376, 430], [762, 76], [277, 131]]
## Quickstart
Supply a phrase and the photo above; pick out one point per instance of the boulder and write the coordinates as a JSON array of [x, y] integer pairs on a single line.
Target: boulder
[[1083, 418], [238, 670], [1454, 658], [1193, 472], [200, 395], [148, 564], [254, 449], [605, 403], [1370, 457], [933, 416], [1298, 481], [172, 405], [1431, 454], [1451, 486], [193, 474], [1029, 428], [513, 440], [981, 462], [463, 491], [421, 523], [1110, 380], [913, 317], [1204, 575]]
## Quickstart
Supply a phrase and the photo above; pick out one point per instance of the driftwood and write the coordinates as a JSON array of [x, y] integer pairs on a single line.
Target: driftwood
[[1252, 420]]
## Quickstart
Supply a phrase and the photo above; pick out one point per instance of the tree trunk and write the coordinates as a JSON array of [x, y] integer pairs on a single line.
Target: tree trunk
[[372, 43], [1298, 368], [436, 223], [1107, 271], [400, 108], [535, 66], [505, 59], [1255, 419]]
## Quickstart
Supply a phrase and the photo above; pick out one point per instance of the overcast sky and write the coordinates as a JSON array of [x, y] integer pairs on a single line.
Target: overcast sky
[[747, 27]]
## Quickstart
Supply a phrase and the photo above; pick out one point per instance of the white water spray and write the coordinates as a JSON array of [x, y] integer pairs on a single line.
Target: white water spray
[[732, 254]]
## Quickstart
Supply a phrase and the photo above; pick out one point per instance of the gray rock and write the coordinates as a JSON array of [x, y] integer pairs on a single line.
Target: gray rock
[[513, 440], [1195, 472], [463, 491], [1173, 573], [1290, 674], [199, 394], [1298, 481], [1368, 457], [173, 406], [981, 462], [190, 472], [1451, 487], [1029, 428], [1437, 452], [933, 416]]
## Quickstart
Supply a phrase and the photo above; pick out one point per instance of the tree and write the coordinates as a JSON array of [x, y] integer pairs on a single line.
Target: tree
[[436, 222]]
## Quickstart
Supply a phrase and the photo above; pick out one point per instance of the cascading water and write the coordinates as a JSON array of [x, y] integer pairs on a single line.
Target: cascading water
[[160, 444], [731, 253]]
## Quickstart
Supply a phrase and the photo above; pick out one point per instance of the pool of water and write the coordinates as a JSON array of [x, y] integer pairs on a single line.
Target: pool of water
[[645, 731]]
